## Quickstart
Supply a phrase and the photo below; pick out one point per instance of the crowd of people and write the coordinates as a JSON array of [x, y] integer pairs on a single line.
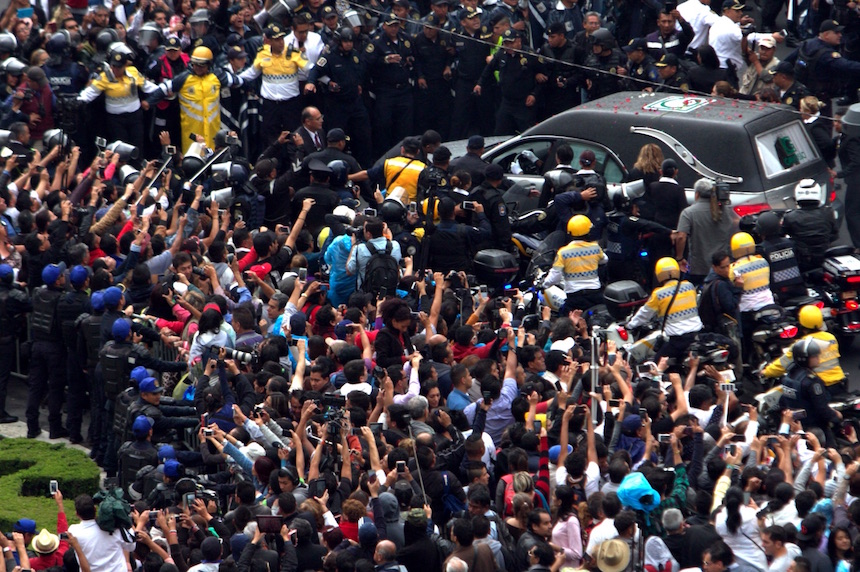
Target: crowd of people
[[221, 238]]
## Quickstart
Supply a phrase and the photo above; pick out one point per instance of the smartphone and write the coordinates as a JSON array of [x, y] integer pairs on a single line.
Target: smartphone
[[188, 500], [739, 438], [316, 488], [294, 538], [415, 315], [483, 290], [101, 142], [688, 431], [171, 149], [208, 432], [401, 466], [746, 497], [383, 291], [643, 370], [731, 449], [643, 413], [303, 274], [798, 414], [153, 516], [671, 5], [376, 428], [727, 387], [24, 13], [371, 478], [537, 425], [664, 437], [468, 205], [53, 487], [369, 212], [487, 396], [140, 210], [614, 403], [238, 217]]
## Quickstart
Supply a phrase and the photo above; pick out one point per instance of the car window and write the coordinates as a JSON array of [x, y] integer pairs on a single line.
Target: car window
[[607, 166], [506, 157], [785, 149]]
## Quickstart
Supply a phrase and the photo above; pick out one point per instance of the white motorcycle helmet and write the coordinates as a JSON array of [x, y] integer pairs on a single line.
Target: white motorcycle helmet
[[808, 191]]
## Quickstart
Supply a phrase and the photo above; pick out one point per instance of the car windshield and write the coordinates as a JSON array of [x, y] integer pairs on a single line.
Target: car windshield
[[785, 148]]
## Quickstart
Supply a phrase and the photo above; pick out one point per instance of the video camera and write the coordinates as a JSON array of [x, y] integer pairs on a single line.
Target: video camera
[[242, 357]]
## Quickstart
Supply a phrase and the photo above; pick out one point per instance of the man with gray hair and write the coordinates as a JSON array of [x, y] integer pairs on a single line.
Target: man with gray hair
[[385, 558], [456, 565], [686, 543], [419, 408], [707, 226]]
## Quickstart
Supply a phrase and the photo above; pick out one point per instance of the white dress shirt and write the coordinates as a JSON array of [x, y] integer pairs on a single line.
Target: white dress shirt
[[104, 552], [700, 17], [725, 37], [313, 48]]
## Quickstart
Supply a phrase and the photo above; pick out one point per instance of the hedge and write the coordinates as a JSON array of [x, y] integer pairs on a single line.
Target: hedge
[[26, 469]]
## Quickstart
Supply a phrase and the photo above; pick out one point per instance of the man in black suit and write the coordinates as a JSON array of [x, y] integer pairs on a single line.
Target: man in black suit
[[311, 130]]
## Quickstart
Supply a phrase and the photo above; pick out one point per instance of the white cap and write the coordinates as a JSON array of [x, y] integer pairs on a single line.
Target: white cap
[[562, 345]]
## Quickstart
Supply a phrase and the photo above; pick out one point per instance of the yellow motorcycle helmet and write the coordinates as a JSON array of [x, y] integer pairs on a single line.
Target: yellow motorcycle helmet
[[742, 245], [201, 55], [579, 226], [810, 317], [667, 269]]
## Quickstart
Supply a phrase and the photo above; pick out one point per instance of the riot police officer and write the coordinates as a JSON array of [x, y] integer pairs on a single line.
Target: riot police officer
[[64, 75], [202, 31], [166, 418], [812, 225], [603, 62], [489, 194], [561, 88], [342, 97], [71, 307], [803, 389], [435, 177], [48, 371], [453, 245], [14, 303]]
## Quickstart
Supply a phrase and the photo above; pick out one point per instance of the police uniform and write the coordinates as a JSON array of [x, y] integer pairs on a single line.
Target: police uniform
[[785, 279], [813, 228], [433, 178], [470, 113], [681, 316], [517, 82], [344, 106], [570, 18], [645, 72], [609, 81], [623, 245], [676, 43], [794, 94], [829, 370], [166, 419], [822, 68], [66, 76], [122, 102], [676, 83], [433, 104], [282, 105], [803, 389], [576, 264], [756, 275], [48, 372], [497, 213], [561, 90], [392, 82], [70, 308], [452, 245], [14, 303]]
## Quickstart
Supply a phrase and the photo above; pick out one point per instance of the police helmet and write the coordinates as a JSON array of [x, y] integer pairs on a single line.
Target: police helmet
[[14, 66], [667, 269], [603, 38], [810, 317], [742, 245], [105, 38], [58, 44], [803, 350], [8, 43], [200, 16], [201, 55], [807, 191], [344, 35], [559, 179], [339, 173], [579, 226], [149, 32], [392, 212], [767, 224]]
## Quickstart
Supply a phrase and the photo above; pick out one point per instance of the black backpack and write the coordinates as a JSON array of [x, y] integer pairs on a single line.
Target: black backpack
[[381, 271], [709, 310]]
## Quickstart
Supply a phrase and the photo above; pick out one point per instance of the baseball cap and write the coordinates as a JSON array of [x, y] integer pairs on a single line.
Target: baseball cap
[[120, 329], [809, 527], [79, 274], [335, 135], [173, 44], [510, 35], [342, 329], [25, 525], [51, 273], [344, 211], [328, 12], [830, 26], [112, 296], [493, 173], [733, 5], [166, 452], [636, 44], [631, 423], [148, 385], [139, 373], [261, 270], [172, 469], [475, 142], [236, 52], [97, 300], [562, 345], [6, 272], [767, 42], [391, 20], [117, 59], [141, 426], [469, 12], [668, 60], [783, 67], [275, 31]]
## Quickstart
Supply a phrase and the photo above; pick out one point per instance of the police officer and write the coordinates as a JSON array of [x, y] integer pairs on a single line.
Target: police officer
[[89, 345], [279, 67], [392, 69], [64, 75], [642, 74], [674, 303], [517, 82], [755, 272], [587, 178], [819, 65], [674, 79], [490, 195], [199, 92], [453, 245], [14, 303], [436, 177], [812, 225], [139, 452], [622, 238], [803, 389], [667, 39], [560, 78], [472, 50], [786, 280], [345, 109], [202, 31], [828, 368], [48, 370], [576, 264], [121, 84], [603, 62], [791, 91], [166, 418], [402, 171], [71, 307], [433, 94]]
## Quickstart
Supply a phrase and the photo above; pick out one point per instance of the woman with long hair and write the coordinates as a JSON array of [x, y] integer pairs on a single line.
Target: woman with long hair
[[840, 549], [567, 532], [523, 505], [209, 333], [738, 526], [392, 343]]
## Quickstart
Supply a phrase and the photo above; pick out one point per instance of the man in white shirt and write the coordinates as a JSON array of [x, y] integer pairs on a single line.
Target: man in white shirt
[[699, 15], [727, 38], [606, 529], [105, 552], [782, 553], [302, 39]]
